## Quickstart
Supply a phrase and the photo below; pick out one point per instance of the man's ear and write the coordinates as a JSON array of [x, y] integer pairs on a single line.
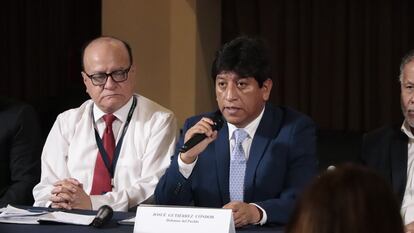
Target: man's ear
[[267, 89], [85, 77]]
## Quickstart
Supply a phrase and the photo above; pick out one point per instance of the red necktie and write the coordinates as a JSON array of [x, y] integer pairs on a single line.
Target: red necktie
[[101, 177]]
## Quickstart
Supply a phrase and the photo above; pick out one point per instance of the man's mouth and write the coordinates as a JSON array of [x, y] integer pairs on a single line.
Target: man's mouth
[[231, 110]]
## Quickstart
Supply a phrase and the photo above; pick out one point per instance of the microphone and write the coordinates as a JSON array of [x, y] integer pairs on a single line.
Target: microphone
[[196, 138], [103, 216]]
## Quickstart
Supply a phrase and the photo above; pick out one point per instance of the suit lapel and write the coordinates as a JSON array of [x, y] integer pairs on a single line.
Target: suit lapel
[[222, 150], [268, 127], [398, 160]]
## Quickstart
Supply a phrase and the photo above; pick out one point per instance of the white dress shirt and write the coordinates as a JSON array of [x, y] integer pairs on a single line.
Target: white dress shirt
[[407, 207], [186, 169], [70, 152]]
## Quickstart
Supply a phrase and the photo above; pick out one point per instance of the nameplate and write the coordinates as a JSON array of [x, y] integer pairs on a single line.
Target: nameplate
[[156, 219]]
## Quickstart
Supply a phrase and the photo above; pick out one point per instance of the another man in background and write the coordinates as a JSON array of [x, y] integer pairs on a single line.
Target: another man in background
[[113, 148], [261, 159], [390, 150], [20, 148]]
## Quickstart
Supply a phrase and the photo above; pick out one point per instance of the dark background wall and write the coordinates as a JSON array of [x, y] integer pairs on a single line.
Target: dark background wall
[[335, 60], [40, 52]]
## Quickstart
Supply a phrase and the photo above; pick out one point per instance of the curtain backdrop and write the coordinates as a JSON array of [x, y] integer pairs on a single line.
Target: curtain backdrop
[[40, 52], [335, 60]]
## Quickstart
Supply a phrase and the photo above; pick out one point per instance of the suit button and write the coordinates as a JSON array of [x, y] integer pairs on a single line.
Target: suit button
[[178, 188]]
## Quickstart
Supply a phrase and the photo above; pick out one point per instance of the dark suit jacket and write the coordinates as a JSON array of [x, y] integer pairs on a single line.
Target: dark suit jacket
[[20, 149], [281, 162], [385, 150]]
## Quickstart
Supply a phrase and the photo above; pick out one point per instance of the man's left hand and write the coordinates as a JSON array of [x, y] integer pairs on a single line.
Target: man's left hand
[[243, 213]]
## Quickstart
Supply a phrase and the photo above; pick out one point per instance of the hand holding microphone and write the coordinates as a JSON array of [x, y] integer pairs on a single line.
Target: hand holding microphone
[[199, 132]]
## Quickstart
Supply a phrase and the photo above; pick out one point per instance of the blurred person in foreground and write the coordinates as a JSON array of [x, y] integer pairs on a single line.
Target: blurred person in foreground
[[348, 199]]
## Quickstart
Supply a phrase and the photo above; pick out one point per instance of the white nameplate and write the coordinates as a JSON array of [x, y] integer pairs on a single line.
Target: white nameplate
[[158, 219]]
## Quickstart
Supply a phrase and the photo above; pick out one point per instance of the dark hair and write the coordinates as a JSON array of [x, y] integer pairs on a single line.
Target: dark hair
[[348, 199], [245, 56], [127, 46]]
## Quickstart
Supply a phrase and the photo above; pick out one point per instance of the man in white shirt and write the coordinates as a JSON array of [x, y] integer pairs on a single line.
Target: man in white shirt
[[390, 149], [113, 148]]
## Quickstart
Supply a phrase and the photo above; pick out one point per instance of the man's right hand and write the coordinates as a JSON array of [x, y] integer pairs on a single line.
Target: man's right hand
[[202, 127]]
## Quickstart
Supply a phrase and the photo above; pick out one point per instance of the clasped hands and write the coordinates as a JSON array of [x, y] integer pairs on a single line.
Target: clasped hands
[[69, 194], [244, 213]]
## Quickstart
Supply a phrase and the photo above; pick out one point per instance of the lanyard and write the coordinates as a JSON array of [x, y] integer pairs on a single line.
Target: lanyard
[[104, 155]]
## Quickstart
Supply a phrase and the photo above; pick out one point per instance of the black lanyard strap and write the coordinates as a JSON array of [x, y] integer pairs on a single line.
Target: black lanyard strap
[[111, 167]]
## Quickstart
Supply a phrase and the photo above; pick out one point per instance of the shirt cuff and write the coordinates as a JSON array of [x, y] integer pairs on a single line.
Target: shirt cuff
[[48, 204], [185, 169], [95, 202], [264, 216]]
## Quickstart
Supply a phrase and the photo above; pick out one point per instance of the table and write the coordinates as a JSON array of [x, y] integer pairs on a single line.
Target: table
[[112, 226]]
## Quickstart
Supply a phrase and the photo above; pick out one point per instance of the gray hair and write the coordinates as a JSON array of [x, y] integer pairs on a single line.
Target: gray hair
[[406, 59]]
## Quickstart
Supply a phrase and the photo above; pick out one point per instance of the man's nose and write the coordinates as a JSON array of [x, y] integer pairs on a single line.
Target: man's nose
[[231, 92], [110, 83]]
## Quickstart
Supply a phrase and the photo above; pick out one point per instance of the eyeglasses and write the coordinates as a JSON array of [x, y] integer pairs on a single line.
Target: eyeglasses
[[99, 79]]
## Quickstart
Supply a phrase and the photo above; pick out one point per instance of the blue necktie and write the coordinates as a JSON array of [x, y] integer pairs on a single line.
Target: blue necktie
[[237, 166]]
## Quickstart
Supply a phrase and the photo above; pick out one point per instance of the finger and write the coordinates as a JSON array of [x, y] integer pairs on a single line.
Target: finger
[[234, 205], [241, 223], [56, 199], [55, 206], [67, 181], [64, 189], [207, 120], [61, 205], [208, 124], [201, 128], [59, 182], [240, 218], [228, 206], [204, 126], [238, 222], [65, 197], [213, 136], [73, 181], [69, 187]]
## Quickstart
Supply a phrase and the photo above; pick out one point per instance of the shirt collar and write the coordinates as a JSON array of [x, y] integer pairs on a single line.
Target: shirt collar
[[121, 114], [405, 128], [250, 128]]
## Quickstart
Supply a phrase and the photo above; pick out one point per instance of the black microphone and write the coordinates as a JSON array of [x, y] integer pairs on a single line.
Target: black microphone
[[103, 216], [198, 137]]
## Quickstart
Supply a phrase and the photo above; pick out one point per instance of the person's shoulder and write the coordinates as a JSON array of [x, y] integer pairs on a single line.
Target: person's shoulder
[[288, 114], [14, 110], [11, 105], [149, 107], [74, 114], [384, 132]]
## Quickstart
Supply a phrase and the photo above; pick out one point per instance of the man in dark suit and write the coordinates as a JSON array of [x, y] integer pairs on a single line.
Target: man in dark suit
[[261, 159], [390, 149], [20, 147]]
